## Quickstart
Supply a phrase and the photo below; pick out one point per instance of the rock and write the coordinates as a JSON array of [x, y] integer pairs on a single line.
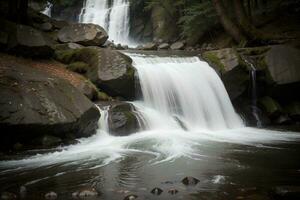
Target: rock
[[27, 41], [283, 64], [59, 24], [172, 191], [293, 110], [164, 46], [120, 47], [68, 46], [224, 60], [286, 192], [18, 146], [156, 191], [190, 181], [87, 193], [85, 34], [23, 192], [47, 141], [46, 26], [270, 106], [177, 46], [131, 197], [35, 103], [3, 40], [111, 71], [89, 90], [8, 196], [283, 120], [51, 196], [149, 46], [122, 120]]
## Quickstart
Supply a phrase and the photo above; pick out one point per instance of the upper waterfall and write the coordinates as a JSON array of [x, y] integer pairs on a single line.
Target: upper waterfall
[[112, 15], [187, 89]]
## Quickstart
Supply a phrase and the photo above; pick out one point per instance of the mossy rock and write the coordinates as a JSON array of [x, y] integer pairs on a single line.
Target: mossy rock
[[270, 106], [293, 110], [123, 120], [79, 67]]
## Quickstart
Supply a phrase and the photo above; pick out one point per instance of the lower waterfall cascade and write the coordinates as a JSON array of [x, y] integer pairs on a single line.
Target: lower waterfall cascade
[[173, 88]]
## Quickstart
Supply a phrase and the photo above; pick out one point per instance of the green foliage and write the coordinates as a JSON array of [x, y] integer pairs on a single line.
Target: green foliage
[[79, 67], [198, 19]]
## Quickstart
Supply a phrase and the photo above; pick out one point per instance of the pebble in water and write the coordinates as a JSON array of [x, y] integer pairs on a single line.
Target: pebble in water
[[131, 197], [51, 196], [173, 191], [86, 193], [156, 191], [190, 181]]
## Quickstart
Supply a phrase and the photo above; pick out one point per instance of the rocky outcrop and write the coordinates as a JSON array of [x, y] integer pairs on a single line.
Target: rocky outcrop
[[35, 104], [123, 119], [85, 34], [177, 46], [25, 40], [109, 70], [277, 75], [283, 64]]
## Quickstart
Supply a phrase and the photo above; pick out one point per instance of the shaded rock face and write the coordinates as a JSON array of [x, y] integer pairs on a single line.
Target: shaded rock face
[[85, 34], [283, 63], [34, 103], [109, 70], [123, 119], [25, 40]]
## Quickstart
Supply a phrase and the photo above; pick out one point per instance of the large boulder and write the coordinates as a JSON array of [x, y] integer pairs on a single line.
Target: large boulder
[[85, 34], [109, 70], [25, 40], [35, 103], [283, 64], [123, 119], [228, 64]]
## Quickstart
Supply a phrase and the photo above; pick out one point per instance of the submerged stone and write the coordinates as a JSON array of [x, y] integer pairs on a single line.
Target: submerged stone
[[156, 191], [51, 196], [131, 197], [190, 181]]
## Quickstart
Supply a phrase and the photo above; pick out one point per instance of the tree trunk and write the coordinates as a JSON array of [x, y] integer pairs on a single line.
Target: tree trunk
[[227, 23]]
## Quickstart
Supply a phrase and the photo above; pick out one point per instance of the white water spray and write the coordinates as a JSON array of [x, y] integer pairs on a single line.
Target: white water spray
[[113, 18], [47, 10]]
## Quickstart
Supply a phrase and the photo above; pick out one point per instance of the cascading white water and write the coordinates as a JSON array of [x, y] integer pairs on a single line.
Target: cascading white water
[[187, 89], [113, 18], [47, 10], [173, 88]]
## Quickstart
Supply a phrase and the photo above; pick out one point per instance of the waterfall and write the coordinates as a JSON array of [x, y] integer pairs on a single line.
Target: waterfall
[[112, 15], [47, 10], [186, 89], [255, 110]]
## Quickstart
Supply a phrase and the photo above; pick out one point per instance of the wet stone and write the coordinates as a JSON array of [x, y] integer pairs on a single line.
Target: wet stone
[[131, 197], [190, 181], [156, 191], [173, 191], [51, 196]]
